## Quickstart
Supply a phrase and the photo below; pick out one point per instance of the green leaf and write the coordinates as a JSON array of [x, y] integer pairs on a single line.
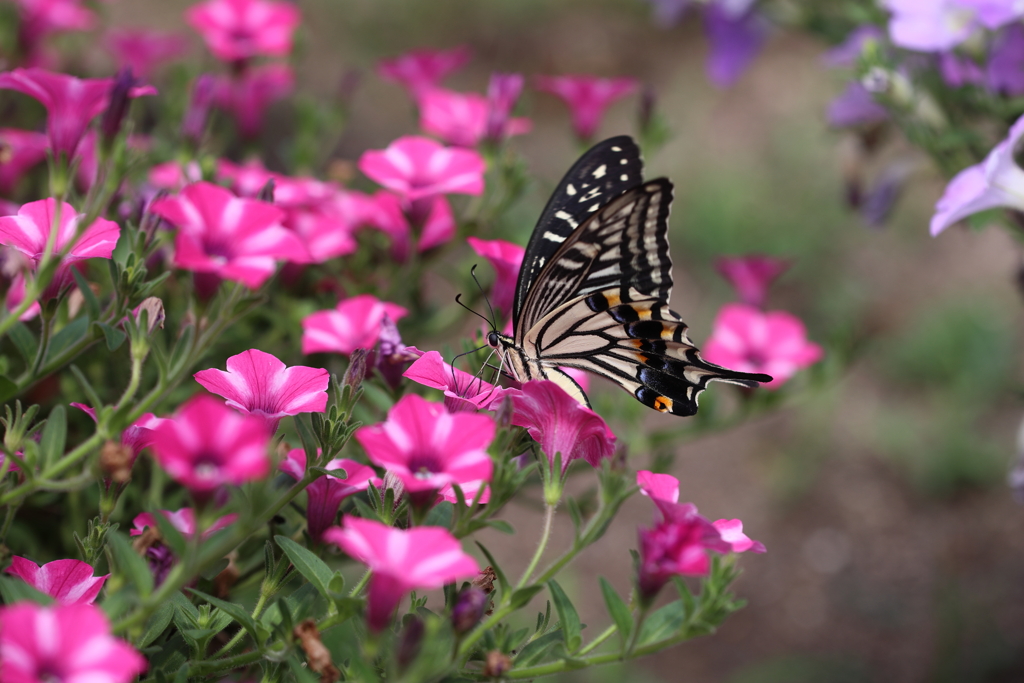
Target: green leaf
[[234, 611], [156, 624], [90, 393], [55, 432], [535, 652], [24, 341], [92, 304], [567, 616], [114, 336], [524, 595], [72, 333], [307, 564], [170, 534], [441, 515], [7, 389], [502, 581], [129, 563], [662, 624], [180, 353], [14, 590], [617, 609], [309, 441], [502, 526]]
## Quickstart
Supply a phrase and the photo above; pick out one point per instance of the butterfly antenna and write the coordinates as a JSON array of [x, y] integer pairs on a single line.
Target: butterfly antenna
[[457, 300], [455, 380], [472, 272]]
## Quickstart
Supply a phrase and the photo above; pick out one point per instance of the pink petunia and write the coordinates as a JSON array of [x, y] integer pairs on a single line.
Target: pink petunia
[[421, 70], [259, 384], [20, 150], [171, 175], [464, 119], [658, 486], [71, 103], [675, 546], [137, 436], [422, 558], [732, 533], [750, 340], [561, 424], [241, 29], [587, 97], [387, 212], [29, 231], [325, 494], [354, 324], [144, 49], [751, 275], [227, 236], [184, 520], [63, 643], [506, 259], [462, 391], [246, 96], [418, 168], [42, 18], [428, 448], [69, 582], [207, 445], [503, 91]]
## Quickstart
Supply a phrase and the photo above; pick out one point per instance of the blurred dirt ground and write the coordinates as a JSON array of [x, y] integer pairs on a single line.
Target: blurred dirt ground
[[894, 546]]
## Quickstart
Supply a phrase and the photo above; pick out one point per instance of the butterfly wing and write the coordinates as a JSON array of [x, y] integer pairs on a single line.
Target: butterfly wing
[[605, 171]]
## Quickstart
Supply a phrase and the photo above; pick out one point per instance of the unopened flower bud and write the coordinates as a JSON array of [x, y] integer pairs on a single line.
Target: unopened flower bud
[[117, 108], [116, 461], [194, 123], [506, 409], [154, 308], [497, 664], [469, 609], [356, 370], [266, 193], [410, 642]]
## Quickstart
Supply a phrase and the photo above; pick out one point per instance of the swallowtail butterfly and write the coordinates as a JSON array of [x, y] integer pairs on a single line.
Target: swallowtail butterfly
[[594, 287]]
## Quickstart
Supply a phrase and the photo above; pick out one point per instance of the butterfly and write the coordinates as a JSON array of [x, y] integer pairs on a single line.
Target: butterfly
[[594, 287]]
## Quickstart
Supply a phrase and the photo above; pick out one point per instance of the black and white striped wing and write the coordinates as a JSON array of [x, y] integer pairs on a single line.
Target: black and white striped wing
[[605, 171], [636, 342], [623, 246]]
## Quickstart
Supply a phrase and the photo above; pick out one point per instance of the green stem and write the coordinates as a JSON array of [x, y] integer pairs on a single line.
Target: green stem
[[358, 588], [605, 635], [260, 604], [44, 341], [549, 516]]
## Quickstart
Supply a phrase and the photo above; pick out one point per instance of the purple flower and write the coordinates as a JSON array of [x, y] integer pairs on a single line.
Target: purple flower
[[325, 494], [736, 38], [937, 25], [855, 107], [997, 181], [958, 71], [502, 92], [848, 51], [1005, 70]]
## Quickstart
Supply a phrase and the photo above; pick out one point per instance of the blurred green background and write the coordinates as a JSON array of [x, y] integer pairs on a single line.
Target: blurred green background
[[895, 550]]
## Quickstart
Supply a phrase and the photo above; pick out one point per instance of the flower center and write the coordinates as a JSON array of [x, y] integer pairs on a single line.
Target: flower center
[[424, 466], [206, 468]]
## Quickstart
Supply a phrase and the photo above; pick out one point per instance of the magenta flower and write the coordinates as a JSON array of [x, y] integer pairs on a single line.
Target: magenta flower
[[417, 168], [503, 91], [71, 103], [69, 582], [137, 436], [736, 38], [676, 546], [401, 560], [171, 175], [41, 18], [227, 236], [751, 275], [246, 96], [29, 230], [241, 29], [354, 324], [20, 150], [69, 643], [325, 494], [387, 212], [506, 259], [996, 181], [469, 491], [143, 49], [207, 445], [561, 424], [464, 119], [587, 97], [749, 340], [427, 447], [462, 391], [658, 486], [421, 70], [732, 533], [184, 520], [259, 384]]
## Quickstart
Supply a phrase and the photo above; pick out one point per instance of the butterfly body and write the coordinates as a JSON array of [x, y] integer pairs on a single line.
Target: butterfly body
[[594, 287]]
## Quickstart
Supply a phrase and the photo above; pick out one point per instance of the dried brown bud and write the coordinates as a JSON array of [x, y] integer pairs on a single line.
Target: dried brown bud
[[485, 579], [497, 664], [223, 582], [116, 461], [149, 537], [154, 308], [317, 655]]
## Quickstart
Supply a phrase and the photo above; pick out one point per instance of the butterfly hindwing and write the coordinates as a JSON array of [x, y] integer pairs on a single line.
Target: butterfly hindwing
[[607, 170]]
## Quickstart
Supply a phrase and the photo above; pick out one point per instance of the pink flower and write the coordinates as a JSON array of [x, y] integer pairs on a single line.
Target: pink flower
[[427, 447], [387, 212], [41, 18], [462, 391], [749, 340], [587, 97], [71, 103], [63, 643], [658, 486], [422, 558], [29, 230], [417, 168], [502, 93], [469, 491], [675, 546], [259, 384], [506, 259], [421, 70], [144, 49], [227, 236], [184, 520], [325, 494], [354, 324], [137, 436], [20, 150], [751, 276], [206, 445], [246, 96], [69, 582], [462, 118], [171, 175], [732, 533], [561, 424], [242, 29]]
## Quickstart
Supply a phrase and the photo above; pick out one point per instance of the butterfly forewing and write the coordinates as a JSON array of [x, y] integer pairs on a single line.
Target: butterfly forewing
[[607, 170]]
